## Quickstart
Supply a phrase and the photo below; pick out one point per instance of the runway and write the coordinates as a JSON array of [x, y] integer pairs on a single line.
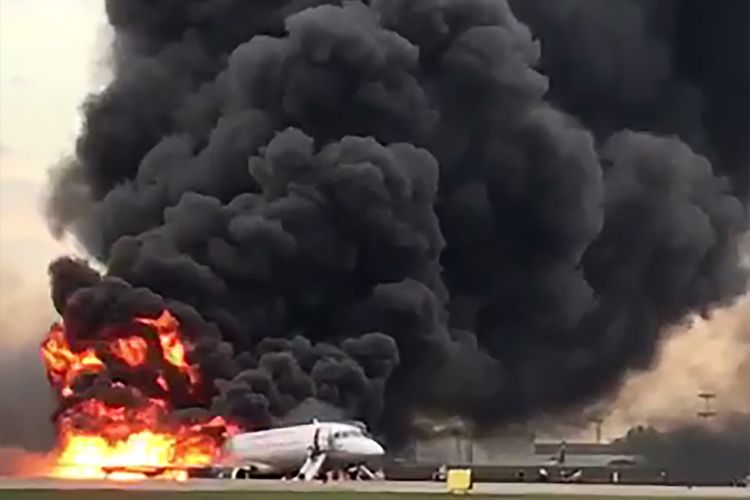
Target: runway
[[500, 489]]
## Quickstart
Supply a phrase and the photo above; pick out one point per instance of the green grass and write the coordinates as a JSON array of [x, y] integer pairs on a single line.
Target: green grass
[[250, 495]]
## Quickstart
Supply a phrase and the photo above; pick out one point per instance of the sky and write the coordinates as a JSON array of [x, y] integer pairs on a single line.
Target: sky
[[51, 56], [47, 67]]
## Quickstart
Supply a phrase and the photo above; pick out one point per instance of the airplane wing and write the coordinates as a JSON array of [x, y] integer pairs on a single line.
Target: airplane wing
[[574, 477], [252, 467], [142, 470], [243, 469], [259, 467]]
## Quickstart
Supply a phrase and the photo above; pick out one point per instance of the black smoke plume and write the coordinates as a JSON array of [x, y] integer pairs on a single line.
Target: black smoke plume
[[669, 67], [406, 206], [694, 454]]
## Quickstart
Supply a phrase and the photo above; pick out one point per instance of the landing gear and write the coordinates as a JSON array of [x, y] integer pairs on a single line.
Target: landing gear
[[242, 473], [360, 472]]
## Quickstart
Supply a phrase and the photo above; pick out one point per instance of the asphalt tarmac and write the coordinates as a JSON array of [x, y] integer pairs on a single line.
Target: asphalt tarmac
[[378, 486]]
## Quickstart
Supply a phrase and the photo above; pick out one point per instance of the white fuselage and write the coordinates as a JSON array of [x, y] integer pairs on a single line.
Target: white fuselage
[[286, 449]]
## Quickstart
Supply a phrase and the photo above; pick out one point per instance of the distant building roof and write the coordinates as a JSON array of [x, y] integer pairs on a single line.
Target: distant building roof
[[602, 460], [551, 448], [514, 451], [571, 461]]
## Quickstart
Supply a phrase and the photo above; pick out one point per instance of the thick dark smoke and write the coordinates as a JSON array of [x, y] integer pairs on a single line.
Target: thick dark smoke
[[403, 206], [669, 67], [694, 453]]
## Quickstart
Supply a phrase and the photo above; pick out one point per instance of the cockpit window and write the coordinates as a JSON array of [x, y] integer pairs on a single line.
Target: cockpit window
[[347, 434]]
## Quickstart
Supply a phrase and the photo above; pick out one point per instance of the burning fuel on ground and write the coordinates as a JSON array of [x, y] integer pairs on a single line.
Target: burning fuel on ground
[[398, 207]]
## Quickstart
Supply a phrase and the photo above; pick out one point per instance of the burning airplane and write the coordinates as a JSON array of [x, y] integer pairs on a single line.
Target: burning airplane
[[119, 422], [395, 207]]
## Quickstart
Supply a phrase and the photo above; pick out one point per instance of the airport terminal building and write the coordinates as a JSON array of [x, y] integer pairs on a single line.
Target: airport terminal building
[[515, 453]]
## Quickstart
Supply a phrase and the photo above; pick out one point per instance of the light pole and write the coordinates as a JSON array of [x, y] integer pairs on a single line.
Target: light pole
[[597, 421], [706, 413]]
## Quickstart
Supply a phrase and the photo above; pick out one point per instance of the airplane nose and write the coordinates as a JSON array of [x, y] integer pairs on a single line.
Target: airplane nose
[[374, 449]]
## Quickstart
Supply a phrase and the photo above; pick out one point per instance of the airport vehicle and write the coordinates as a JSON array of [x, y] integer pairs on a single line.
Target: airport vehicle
[[302, 451]]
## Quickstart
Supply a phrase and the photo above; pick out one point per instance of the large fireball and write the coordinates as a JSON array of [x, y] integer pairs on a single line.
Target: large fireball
[[117, 418]]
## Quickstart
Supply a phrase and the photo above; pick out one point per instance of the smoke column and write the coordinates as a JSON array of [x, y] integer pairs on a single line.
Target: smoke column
[[407, 207], [695, 453], [669, 67]]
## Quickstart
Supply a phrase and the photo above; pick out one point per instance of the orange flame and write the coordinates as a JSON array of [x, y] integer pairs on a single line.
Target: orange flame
[[173, 349], [131, 350], [126, 443], [99, 440], [63, 365]]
